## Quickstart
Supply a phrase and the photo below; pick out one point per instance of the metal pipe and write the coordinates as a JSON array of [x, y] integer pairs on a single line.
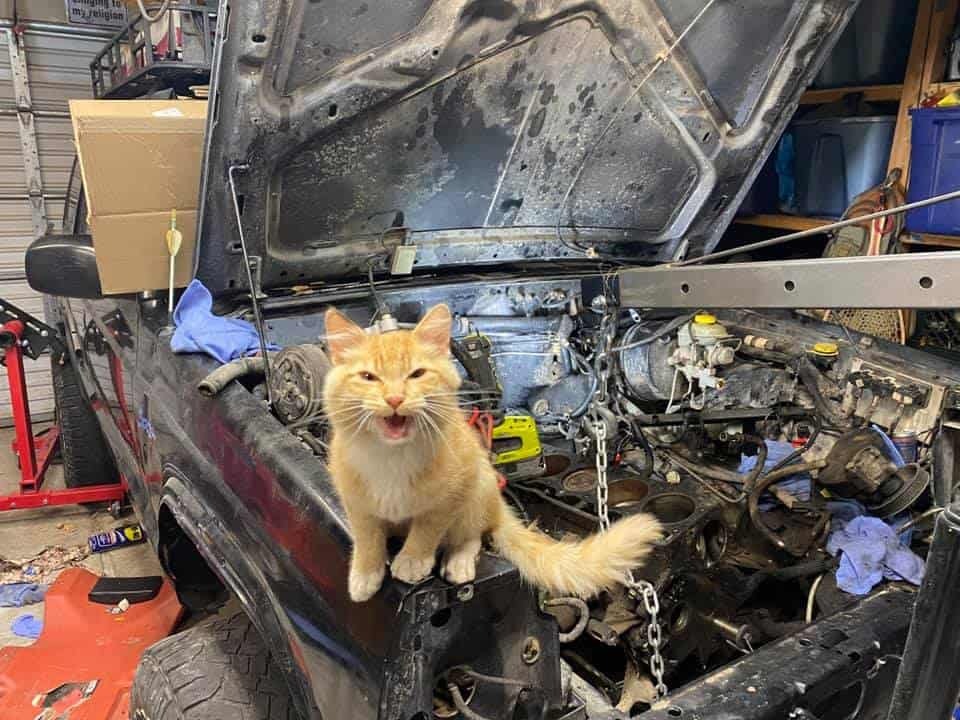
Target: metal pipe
[[25, 198], [820, 230], [35, 27], [928, 683], [13, 112]]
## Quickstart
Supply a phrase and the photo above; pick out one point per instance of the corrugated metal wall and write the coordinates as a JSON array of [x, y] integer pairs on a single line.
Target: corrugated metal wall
[[58, 60]]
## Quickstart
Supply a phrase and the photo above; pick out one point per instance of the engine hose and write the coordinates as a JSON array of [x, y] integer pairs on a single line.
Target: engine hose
[[655, 335], [810, 377], [638, 435], [751, 477], [774, 476], [216, 381], [583, 616], [790, 572]]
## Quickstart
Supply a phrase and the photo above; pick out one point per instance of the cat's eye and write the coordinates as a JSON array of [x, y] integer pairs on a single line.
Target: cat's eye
[[368, 376], [418, 373]]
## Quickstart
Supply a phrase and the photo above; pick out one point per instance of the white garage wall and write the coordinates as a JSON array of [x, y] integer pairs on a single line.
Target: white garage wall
[[58, 60]]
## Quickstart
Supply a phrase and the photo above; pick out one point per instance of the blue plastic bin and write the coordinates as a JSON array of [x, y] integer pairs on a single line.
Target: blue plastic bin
[[935, 169], [839, 158]]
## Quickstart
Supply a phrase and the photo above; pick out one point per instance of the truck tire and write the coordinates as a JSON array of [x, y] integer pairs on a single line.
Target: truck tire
[[216, 671], [83, 449]]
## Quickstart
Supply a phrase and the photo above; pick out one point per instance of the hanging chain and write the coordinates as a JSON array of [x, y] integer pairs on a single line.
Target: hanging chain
[[603, 488], [640, 590]]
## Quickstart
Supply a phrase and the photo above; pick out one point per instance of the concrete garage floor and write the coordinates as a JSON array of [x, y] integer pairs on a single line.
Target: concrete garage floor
[[25, 533]]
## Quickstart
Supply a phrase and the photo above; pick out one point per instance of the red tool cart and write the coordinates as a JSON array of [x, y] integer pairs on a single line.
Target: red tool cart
[[23, 335]]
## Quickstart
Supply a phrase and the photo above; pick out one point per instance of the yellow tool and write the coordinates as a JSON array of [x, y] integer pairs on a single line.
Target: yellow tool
[[174, 239], [516, 439]]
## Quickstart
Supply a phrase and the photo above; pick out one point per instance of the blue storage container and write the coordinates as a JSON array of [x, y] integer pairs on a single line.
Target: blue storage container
[[934, 169], [839, 158]]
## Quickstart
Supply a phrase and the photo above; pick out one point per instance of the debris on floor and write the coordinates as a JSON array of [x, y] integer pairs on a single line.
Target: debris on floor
[[43, 567], [20, 594], [83, 663]]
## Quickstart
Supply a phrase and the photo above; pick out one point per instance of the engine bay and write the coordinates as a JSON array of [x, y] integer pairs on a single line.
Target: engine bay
[[750, 436]]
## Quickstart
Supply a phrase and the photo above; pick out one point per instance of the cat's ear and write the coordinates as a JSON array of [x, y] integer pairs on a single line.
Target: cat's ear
[[342, 334], [434, 328]]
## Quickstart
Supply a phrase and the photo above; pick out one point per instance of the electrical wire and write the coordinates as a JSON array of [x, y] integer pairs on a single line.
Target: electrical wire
[[660, 60], [811, 597]]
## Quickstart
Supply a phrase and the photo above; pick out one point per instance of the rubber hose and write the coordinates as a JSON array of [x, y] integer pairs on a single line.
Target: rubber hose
[[647, 451], [753, 499], [216, 381], [810, 377], [583, 616], [751, 477]]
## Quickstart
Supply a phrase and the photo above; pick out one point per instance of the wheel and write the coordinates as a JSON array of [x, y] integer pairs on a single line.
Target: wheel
[[83, 449], [216, 671]]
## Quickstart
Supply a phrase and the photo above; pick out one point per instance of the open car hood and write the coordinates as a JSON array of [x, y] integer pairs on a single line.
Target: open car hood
[[477, 126]]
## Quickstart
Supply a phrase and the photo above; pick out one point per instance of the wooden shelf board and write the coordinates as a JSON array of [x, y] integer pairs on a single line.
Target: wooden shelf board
[[871, 93], [943, 87], [951, 241], [784, 222]]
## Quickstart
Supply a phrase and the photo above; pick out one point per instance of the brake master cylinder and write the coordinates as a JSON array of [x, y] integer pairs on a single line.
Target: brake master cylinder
[[703, 345]]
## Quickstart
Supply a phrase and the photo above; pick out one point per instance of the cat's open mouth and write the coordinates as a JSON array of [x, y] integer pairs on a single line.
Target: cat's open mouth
[[395, 427]]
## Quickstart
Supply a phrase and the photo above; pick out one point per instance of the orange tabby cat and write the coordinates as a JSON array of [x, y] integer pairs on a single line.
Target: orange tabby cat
[[404, 461]]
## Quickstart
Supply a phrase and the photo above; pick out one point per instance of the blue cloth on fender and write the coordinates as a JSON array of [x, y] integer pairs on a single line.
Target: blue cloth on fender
[[200, 331], [27, 626], [20, 594], [797, 485], [870, 551]]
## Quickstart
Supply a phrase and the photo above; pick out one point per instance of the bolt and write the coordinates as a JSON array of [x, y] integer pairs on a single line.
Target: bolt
[[465, 593], [531, 650], [44, 333], [673, 477]]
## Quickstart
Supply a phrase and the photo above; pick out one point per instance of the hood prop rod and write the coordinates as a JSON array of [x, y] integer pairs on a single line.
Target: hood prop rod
[[254, 290]]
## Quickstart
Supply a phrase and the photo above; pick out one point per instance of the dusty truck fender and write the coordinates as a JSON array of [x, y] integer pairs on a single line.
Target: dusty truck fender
[[261, 507], [225, 558]]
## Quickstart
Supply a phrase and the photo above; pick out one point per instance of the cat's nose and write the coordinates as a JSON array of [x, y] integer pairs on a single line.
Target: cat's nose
[[394, 401]]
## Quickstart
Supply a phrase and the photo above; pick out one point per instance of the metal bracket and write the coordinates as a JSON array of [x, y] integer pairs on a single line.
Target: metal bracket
[[916, 280], [28, 134], [36, 336]]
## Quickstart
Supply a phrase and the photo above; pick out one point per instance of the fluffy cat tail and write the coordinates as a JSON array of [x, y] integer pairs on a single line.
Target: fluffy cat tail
[[581, 568]]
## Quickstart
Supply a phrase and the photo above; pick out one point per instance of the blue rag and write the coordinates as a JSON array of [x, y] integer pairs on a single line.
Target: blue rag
[[27, 626], [20, 594], [200, 331], [797, 485], [870, 550]]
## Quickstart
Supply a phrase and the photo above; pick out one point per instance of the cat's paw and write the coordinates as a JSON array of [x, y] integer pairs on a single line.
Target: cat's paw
[[460, 567], [411, 569], [364, 585]]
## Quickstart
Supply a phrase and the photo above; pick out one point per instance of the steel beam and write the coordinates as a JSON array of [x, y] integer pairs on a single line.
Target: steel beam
[[916, 280]]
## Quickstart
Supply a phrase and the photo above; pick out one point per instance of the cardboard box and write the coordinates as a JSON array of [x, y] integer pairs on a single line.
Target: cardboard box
[[139, 160]]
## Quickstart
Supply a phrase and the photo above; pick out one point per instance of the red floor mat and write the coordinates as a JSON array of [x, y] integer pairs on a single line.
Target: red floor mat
[[82, 665]]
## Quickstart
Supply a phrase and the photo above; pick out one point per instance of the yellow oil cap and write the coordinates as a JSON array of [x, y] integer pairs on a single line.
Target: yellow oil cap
[[826, 349], [704, 319]]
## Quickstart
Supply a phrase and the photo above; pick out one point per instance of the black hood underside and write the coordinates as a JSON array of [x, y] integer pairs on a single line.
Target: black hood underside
[[479, 126]]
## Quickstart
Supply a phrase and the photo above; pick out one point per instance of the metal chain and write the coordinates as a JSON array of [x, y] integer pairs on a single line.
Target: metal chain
[[641, 590]]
